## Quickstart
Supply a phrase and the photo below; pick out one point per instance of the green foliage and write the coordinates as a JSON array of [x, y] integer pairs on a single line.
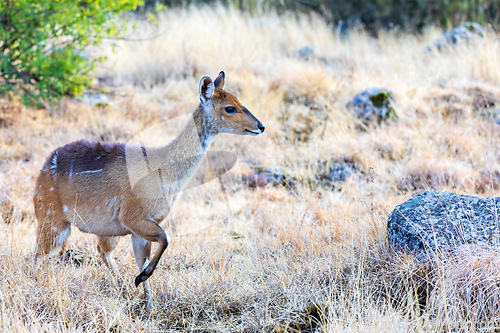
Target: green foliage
[[42, 43], [414, 14]]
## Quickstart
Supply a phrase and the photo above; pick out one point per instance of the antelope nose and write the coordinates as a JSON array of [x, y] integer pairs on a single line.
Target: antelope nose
[[261, 127]]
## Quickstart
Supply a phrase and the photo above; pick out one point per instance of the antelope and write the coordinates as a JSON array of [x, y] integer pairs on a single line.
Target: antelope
[[115, 189]]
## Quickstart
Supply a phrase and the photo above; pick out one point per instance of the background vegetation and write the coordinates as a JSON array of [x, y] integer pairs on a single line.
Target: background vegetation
[[411, 15], [310, 258], [42, 44]]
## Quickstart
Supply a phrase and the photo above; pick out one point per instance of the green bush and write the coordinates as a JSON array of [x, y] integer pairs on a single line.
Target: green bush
[[42, 44]]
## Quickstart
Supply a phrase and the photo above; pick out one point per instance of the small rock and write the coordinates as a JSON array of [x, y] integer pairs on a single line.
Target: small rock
[[330, 174], [374, 105], [339, 172], [467, 32], [305, 53], [95, 99], [436, 224]]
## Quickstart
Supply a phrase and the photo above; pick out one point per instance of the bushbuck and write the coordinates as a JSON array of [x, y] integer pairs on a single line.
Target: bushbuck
[[115, 189]]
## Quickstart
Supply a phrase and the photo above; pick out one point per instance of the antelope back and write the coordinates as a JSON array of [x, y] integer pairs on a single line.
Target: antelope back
[[81, 174]]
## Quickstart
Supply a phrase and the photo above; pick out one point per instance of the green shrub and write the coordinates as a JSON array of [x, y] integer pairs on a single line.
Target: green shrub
[[42, 44]]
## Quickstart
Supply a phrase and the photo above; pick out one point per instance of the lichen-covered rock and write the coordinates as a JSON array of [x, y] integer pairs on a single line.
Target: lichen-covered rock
[[466, 32], [374, 105], [330, 174], [435, 224]]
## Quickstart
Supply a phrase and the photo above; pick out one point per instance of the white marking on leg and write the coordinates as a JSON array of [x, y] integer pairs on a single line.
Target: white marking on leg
[[61, 238], [149, 296], [147, 287], [146, 263], [138, 244], [111, 262]]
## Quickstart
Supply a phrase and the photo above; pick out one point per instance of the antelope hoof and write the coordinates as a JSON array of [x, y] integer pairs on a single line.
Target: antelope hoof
[[141, 278]]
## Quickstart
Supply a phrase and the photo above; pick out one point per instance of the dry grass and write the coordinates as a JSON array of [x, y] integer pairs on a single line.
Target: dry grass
[[269, 259]]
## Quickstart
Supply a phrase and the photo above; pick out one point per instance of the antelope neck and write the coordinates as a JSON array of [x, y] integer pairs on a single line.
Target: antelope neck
[[206, 126], [196, 137]]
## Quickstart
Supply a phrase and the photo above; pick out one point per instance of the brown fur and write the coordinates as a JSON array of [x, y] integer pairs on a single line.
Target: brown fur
[[93, 186]]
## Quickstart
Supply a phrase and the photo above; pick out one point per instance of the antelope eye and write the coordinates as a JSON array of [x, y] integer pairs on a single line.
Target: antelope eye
[[230, 109]]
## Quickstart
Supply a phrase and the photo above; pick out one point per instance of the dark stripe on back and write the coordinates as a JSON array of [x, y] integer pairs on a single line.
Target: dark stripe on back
[[84, 156]]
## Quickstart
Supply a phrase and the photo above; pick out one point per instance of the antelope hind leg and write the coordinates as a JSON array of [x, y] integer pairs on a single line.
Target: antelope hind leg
[[105, 246]]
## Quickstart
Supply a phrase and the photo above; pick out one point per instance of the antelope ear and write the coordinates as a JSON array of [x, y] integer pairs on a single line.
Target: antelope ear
[[206, 89], [220, 81]]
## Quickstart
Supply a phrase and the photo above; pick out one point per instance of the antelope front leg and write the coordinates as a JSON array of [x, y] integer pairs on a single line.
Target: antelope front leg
[[149, 230], [142, 250]]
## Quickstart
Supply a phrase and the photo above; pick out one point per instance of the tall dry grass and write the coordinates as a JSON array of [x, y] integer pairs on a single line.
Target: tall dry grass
[[269, 259]]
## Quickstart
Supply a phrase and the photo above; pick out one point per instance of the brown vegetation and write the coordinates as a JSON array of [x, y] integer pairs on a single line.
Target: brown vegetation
[[269, 258]]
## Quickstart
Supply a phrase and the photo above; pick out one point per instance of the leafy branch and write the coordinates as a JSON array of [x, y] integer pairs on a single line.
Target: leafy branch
[[42, 41]]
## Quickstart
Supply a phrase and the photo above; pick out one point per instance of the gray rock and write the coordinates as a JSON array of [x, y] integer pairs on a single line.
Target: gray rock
[[95, 99], [438, 224], [374, 105], [339, 172], [305, 53], [467, 32], [491, 114]]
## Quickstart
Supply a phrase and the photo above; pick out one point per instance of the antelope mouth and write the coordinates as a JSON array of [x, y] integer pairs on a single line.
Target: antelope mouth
[[253, 133]]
